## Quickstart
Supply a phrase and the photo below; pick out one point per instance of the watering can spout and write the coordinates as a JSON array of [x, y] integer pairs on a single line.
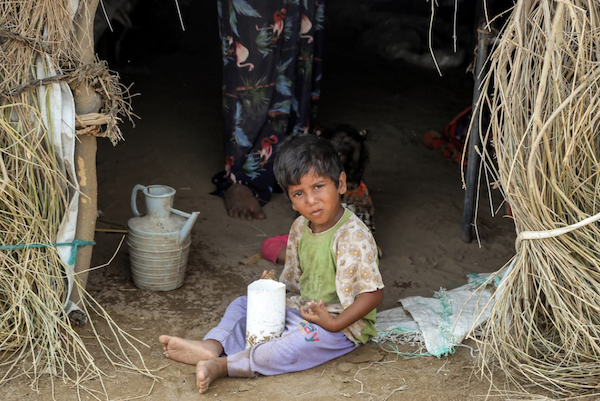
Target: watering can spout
[[185, 230], [187, 227]]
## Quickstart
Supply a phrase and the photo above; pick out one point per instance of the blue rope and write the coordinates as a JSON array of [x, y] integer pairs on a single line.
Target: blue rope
[[75, 244]]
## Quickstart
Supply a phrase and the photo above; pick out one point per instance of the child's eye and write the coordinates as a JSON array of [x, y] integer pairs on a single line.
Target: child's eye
[[297, 194], [319, 186]]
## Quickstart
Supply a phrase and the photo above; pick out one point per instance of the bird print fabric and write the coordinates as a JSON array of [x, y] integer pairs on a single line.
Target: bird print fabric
[[271, 52]]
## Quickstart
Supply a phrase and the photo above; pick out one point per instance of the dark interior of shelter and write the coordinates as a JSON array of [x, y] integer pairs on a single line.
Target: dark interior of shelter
[[378, 74], [360, 35], [398, 69]]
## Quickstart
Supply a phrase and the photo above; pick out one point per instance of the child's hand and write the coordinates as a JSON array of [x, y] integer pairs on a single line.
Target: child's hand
[[271, 275], [316, 313], [311, 307]]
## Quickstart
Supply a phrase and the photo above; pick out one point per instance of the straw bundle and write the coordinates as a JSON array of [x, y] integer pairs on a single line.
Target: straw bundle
[[543, 89], [36, 336]]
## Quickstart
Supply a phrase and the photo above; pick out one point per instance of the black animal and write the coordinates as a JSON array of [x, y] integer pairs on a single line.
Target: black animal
[[350, 144]]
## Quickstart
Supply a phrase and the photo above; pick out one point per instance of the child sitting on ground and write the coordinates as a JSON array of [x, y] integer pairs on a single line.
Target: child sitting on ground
[[331, 265]]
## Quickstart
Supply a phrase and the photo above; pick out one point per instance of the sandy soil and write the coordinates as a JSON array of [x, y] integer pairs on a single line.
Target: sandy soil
[[418, 200]]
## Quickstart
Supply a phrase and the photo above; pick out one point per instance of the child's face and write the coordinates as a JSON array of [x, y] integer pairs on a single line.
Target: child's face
[[318, 199]]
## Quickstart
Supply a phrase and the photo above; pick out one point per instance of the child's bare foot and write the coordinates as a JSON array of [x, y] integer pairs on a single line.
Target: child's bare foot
[[190, 351], [281, 257], [209, 371], [241, 203]]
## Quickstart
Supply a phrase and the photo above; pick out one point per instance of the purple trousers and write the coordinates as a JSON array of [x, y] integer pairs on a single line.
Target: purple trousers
[[303, 345]]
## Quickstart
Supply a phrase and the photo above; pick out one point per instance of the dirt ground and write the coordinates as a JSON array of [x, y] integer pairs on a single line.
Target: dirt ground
[[418, 200]]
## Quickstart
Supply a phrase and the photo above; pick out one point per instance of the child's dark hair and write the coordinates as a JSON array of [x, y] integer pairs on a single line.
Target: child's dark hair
[[299, 154]]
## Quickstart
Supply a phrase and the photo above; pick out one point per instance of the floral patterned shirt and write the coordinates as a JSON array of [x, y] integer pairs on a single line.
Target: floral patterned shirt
[[356, 272]]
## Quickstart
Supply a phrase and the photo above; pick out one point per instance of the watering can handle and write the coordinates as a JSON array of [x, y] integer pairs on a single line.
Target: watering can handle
[[134, 208]]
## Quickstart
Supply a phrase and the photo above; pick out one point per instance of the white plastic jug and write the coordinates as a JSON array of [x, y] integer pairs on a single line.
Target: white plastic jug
[[265, 317]]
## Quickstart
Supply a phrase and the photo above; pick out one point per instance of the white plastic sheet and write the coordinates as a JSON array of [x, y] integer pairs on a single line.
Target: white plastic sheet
[[441, 322], [57, 108]]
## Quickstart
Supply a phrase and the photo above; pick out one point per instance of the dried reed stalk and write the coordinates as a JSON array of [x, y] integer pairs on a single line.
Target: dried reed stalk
[[36, 336], [543, 90]]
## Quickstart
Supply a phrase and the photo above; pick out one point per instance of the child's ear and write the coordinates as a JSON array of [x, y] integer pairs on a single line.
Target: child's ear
[[342, 186]]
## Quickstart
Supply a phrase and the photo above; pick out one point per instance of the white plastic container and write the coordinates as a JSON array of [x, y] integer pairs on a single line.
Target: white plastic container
[[265, 318]]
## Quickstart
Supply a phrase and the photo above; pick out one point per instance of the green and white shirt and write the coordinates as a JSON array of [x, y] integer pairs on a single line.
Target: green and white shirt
[[336, 266]]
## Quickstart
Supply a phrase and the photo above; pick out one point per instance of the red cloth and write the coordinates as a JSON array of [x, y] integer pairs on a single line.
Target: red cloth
[[272, 247]]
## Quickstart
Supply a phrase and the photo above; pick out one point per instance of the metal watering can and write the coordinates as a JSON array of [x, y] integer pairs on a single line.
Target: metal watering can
[[158, 241]]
